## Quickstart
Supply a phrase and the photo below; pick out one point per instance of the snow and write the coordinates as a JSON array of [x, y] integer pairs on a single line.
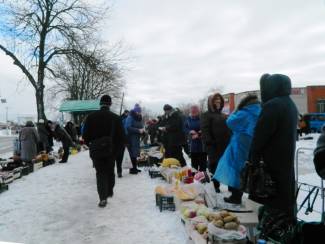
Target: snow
[[58, 204]]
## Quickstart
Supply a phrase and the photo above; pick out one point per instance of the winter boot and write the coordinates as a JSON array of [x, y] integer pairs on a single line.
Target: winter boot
[[119, 175], [134, 171], [102, 203], [232, 200]]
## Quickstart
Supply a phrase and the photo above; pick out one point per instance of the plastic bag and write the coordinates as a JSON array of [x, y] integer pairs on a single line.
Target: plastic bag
[[227, 234], [126, 164]]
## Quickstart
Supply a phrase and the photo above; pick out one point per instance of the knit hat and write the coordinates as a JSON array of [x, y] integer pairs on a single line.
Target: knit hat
[[137, 108], [167, 107], [105, 100]]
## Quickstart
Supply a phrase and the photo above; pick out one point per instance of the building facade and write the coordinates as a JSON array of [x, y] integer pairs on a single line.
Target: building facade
[[310, 99]]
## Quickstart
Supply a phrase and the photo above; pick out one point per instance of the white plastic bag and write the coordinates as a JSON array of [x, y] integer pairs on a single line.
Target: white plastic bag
[[126, 164], [223, 234]]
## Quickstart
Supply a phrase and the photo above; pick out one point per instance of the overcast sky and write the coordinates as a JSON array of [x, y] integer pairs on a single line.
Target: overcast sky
[[180, 49]]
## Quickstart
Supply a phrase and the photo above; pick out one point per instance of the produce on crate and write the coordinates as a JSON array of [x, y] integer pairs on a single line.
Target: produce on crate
[[170, 162]]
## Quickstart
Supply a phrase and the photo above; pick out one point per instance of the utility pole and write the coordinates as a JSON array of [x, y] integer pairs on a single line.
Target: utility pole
[[122, 104], [7, 114]]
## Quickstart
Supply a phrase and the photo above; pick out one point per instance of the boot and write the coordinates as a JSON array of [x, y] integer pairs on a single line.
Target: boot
[[102, 203], [133, 171], [232, 199]]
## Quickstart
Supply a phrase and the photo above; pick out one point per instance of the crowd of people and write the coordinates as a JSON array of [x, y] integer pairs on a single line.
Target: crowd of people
[[256, 131]]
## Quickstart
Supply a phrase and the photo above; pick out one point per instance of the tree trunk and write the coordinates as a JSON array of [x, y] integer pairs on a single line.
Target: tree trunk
[[40, 104]]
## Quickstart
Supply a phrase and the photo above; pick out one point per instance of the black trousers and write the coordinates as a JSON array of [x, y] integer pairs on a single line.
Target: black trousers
[[199, 161], [66, 151], [213, 159], [175, 152], [105, 177], [119, 159]]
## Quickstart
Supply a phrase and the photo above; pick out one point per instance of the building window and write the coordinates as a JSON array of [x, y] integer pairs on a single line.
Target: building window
[[321, 106]]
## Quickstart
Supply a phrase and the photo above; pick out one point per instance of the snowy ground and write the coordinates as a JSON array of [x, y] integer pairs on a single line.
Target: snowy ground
[[58, 204]]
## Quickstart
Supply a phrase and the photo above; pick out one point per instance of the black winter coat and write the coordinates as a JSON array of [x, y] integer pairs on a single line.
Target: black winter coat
[[319, 156], [61, 135], [175, 132], [215, 133], [104, 123], [274, 139]]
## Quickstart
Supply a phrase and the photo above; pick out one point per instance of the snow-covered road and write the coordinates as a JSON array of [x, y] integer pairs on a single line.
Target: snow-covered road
[[58, 204]]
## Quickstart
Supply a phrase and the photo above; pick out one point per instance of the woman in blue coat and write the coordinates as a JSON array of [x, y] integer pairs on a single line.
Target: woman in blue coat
[[193, 130], [242, 124], [134, 129]]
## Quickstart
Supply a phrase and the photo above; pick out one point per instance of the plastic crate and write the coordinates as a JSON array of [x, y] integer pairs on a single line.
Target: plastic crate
[[25, 170], [4, 187], [154, 173], [165, 203]]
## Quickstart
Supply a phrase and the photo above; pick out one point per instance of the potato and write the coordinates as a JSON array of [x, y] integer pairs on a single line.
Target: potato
[[218, 223], [230, 218], [214, 216], [224, 214], [231, 226], [201, 228]]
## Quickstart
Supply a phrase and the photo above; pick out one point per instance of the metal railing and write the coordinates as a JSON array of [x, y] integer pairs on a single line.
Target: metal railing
[[320, 191]]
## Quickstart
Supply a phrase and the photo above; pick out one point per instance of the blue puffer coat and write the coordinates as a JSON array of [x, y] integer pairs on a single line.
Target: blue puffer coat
[[132, 125], [242, 123], [193, 123]]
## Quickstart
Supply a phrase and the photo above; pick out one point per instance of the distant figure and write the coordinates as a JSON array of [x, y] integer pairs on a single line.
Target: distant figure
[[134, 129], [120, 153], [29, 139], [215, 133], [274, 142], [104, 134], [61, 135], [44, 135], [72, 131], [193, 129], [174, 134], [242, 124]]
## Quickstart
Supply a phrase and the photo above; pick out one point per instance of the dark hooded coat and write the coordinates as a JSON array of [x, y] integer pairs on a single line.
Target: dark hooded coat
[[215, 133], [274, 140], [175, 134]]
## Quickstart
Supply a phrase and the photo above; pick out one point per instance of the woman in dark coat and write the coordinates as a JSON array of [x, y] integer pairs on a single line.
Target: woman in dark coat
[[134, 129], [29, 140], [193, 129], [242, 124], [274, 142], [215, 133]]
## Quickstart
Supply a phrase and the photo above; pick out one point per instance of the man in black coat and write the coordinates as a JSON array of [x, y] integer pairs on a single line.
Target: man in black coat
[[98, 125], [274, 142], [215, 133], [61, 135], [174, 135]]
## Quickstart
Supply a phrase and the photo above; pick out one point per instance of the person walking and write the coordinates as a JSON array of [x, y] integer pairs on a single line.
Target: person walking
[[242, 124], [29, 140], [193, 129], [134, 129], [274, 142], [215, 133], [103, 133], [120, 153], [174, 135]]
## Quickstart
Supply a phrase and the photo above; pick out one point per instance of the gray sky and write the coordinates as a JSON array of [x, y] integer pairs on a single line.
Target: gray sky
[[180, 49]]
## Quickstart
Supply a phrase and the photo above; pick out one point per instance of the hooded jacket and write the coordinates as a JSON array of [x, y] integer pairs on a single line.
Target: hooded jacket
[[175, 131], [274, 139], [213, 126], [242, 124]]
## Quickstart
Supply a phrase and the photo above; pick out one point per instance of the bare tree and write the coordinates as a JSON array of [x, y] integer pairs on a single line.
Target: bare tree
[[87, 75], [39, 31]]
